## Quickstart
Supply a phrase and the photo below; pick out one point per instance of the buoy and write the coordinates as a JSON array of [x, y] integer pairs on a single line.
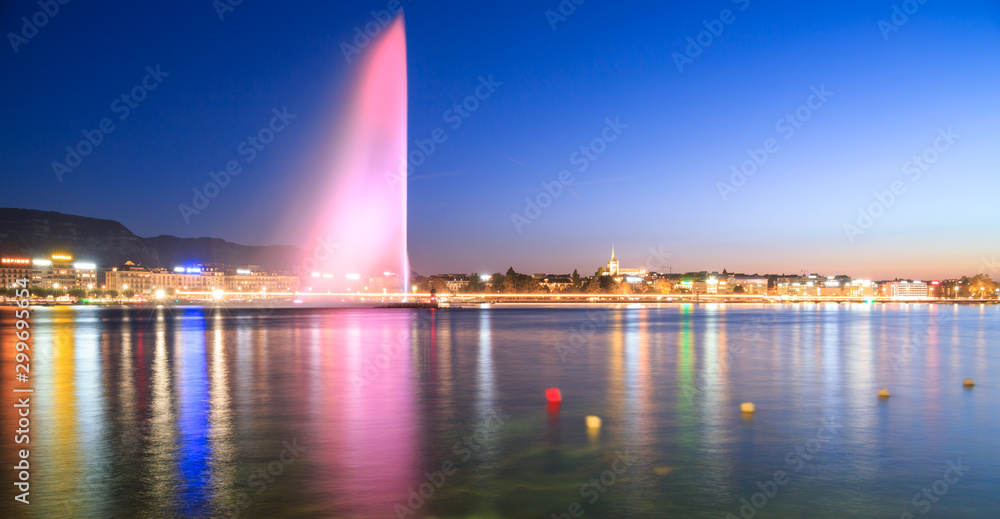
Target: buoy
[[968, 382], [747, 407], [552, 394], [593, 422], [662, 470], [883, 393]]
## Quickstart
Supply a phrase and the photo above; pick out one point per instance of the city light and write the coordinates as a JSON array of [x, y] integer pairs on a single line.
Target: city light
[[84, 266], [15, 261], [179, 270], [217, 294], [160, 294], [354, 276], [62, 257], [42, 262], [243, 272], [315, 274]]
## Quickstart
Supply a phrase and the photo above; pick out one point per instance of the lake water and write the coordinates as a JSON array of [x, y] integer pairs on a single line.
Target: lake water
[[191, 412]]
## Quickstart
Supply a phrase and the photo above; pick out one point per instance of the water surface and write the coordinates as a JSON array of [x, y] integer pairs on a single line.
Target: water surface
[[191, 412]]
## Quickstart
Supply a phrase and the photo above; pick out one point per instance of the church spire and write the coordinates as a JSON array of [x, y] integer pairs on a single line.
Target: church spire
[[612, 251]]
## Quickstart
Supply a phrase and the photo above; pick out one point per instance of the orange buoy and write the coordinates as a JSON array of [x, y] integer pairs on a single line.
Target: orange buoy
[[747, 407], [552, 394], [883, 393], [968, 382]]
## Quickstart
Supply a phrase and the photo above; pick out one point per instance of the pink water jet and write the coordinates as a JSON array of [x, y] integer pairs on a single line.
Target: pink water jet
[[365, 216]]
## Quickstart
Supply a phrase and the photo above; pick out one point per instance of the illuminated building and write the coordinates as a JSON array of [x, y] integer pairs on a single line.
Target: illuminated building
[[903, 289], [860, 288], [391, 282], [749, 284], [453, 283], [250, 279], [56, 271], [13, 269], [556, 283], [198, 278], [614, 269]]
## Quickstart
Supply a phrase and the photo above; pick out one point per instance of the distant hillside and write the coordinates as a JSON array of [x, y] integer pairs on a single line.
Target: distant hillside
[[109, 243]]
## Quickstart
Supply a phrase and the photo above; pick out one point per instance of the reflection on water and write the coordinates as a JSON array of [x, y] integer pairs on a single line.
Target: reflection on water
[[189, 412]]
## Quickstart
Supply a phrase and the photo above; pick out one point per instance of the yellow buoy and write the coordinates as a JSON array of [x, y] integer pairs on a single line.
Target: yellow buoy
[[663, 470], [593, 422], [747, 407], [968, 382], [883, 393]]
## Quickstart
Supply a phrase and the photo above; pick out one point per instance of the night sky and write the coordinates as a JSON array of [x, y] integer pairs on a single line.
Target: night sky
[[886, 93]]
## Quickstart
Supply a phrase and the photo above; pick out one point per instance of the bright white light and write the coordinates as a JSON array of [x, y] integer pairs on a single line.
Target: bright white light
[[243, 272], [315, 274], [178, 269], [217, 294], [42, 262], [84, 266], [485, 277], [160, 294], [354, 276], [125, 287], [327, 275], [55, 285]]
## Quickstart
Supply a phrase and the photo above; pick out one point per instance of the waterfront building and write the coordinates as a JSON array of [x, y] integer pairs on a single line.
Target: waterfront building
[[56, 271], [199, 278], [556, 282], [748, 284], [860, 288], [13, 268], [614, 270], [903, 289]]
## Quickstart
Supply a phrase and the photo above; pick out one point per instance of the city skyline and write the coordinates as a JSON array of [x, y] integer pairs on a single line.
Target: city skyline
[[648, 122]]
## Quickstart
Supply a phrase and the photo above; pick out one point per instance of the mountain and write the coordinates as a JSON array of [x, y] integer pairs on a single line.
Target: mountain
[[108, 243]]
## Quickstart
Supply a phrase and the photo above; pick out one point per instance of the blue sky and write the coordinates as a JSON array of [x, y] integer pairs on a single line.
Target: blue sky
[[655, 187]]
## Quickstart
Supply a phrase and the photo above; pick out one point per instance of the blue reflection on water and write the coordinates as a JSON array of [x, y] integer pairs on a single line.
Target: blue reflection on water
[[193, 420]]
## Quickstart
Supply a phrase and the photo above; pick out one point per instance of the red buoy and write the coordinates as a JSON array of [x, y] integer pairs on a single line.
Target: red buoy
[[552, 394]]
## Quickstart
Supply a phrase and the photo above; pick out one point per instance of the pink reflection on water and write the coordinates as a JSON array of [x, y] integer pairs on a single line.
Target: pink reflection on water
[[365, 211], [367, 435]]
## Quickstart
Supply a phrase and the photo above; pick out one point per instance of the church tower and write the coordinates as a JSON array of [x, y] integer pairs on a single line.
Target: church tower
[[613, 264]]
